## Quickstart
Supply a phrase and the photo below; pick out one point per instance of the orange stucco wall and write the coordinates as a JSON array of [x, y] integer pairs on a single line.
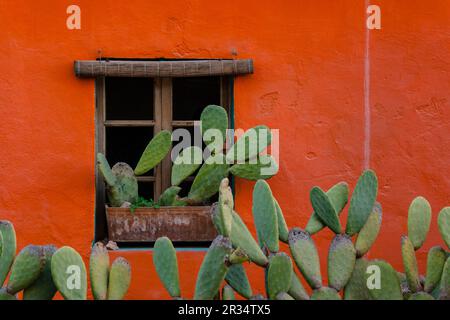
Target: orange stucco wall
[[309, 78]]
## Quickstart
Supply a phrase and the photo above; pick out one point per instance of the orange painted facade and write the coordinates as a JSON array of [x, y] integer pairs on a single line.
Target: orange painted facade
[[309, 81]]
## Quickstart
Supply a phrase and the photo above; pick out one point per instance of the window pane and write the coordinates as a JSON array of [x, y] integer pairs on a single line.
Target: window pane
[[191, 95], [129, 98], [146, 189], [126, 144]]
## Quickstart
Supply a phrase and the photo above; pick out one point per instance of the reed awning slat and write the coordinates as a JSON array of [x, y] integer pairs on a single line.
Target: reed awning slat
[[174, 68]]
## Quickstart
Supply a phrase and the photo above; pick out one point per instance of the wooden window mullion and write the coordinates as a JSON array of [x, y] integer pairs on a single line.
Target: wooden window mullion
[[157, 128], [166, 124]]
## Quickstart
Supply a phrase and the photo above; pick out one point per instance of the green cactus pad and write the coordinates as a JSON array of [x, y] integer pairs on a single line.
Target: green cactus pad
[[250, 144], [242, 238], [356, 288], [445, 282], [169, 196], [324, 209], [4, 295], [255, 171], [338, 196], [228, 293], [185, 164], [421, 296], [126, 187], [284, 296], [306, 257], [237, 278], [341, 261], [265, 216], [8, 248], [166, 265], [283, 231], [410, 265], [419, 220], [238, 256], [216, 118], [444, 225], [43, 288], [105, 170], [26, 268], [213, 269], [362, 202], [325, 293], [389, 282], [435, 264], [296, 290], [154, 153], [207, 181], [369, 232], [279, 274], [225, 207], [119, 279], [69, 274], [99, 271]]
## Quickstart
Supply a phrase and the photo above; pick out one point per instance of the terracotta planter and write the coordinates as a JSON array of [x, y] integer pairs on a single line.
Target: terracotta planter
[[188, 224]]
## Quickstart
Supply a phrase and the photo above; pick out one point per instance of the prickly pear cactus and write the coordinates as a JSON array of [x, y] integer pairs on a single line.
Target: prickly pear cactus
[[185, 164], [410, 264], [69, 274], [324, 209], [444, 225], [279, 274], [237, 278], [43, 288], [213, 269], [8, 248], [341, 261], [228, 293], [105, 170], [214, 124], [445, 282], [369, 232], [154, 153], [338, 196], [362, 202], [99, 271], [26, 268], [296, 290], [207, 181], [306, 257], [257, 170], [435, 264], [283, 231], [169, 196], [119, 279], [250, 144], [421, 296], [166, 265], [225, 207], [325, 293], [356, 288], [284, 296], [383, 282], [4, 295], [419, 220]]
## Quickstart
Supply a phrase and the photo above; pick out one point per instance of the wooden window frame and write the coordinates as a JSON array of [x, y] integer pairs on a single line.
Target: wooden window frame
[[163, 110]]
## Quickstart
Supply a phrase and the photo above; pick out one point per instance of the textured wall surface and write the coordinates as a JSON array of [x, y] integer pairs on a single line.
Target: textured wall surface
[[337, 104]]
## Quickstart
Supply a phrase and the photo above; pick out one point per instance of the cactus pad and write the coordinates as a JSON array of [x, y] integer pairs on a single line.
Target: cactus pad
[[389, 282], [306, 257], [256, 171], [356, 288], [325, 293], [43, 288], [421, 296], [69, 274], [237, 278], [105, 170], [296, 290], [119, 279], [265, 216], [284, 296], [26, 268], [341, 261], [369, 232], [166, 265], [445, 282], [185, 164], [324, 209], [126, 187], [362, 202], [99, 271], [338, 196], [279, 274], [213, 269], [216, 118], [410, 264], [419, 220], [4, 295], [435, 264], [8, 248], [283, 231], [250, 144], [444, 225], [228, 293], [154, 153], [169, 196], [225, 207]]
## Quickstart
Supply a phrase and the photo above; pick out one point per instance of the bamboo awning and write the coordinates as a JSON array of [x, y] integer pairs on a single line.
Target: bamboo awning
[[165, 68]]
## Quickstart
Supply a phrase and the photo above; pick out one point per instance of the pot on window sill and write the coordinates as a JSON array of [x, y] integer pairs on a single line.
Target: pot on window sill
[[186, 224]]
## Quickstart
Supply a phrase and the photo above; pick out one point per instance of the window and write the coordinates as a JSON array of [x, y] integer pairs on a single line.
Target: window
[[130, 110]]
